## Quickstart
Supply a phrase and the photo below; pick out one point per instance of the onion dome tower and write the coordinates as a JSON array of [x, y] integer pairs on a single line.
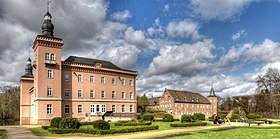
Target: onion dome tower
[[28, 68], [47, 26]]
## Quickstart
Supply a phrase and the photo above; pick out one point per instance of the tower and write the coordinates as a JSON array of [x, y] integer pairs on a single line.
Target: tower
[[46, 98], [214, 102], [26, 85]]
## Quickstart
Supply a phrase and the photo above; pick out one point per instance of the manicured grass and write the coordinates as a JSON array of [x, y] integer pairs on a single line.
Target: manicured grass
[[165, 125], [40, 132], [2, 134], [234, 133]]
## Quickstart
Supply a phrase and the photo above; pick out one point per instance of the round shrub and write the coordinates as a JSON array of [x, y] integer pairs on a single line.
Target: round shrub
[[235, 116], [71, 123], [168, 118], [186, 118], [55, 122], [200, 116], [101, 125], [148, 117]]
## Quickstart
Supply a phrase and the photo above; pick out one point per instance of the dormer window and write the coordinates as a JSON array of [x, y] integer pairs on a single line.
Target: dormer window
[[98, 65]]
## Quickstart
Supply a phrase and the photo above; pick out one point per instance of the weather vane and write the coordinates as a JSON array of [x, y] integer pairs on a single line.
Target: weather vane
[[48, 4]]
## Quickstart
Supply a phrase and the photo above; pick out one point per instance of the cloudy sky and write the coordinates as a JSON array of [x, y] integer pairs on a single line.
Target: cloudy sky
[[185, 45]]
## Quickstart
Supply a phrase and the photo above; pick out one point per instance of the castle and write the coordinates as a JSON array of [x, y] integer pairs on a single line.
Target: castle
[[76, 87]]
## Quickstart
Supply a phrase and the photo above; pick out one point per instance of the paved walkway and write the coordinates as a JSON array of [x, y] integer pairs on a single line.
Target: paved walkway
[[22, 132]]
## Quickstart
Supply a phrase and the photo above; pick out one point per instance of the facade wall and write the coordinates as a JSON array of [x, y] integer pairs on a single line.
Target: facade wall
[[25, 100]]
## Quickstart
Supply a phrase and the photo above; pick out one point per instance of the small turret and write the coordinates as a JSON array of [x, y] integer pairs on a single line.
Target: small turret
[[28, 68]]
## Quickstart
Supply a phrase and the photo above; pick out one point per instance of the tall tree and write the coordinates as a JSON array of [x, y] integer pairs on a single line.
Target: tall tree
[[269, 82], [9, 102]]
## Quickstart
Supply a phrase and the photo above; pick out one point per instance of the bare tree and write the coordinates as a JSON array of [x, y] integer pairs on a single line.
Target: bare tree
[[9, 102], [269, 82]]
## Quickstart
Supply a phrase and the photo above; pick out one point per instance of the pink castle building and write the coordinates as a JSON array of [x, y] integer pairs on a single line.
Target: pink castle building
[[77, 87]]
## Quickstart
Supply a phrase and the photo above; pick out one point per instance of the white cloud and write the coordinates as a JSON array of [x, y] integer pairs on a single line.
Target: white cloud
[[121, 15], [157, 30], [221, 10], [135, 37], [183, 29], [266, 52], [166, 8], [238, 35], [185, 59]]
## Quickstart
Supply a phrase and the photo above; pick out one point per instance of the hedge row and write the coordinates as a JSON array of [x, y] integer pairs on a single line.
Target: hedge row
[[161, 120], [103, 132], [46, 127], [133, 123], [189, 124], [86, 123]]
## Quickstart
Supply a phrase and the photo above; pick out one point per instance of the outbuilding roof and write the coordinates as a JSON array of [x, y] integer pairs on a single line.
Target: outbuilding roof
[[187, 97]]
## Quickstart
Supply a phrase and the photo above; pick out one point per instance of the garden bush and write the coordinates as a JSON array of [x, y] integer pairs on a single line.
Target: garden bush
[[46, 127], [133, 123], [199, 116], [235, 116], [103, 132], [55, 122], [253, 116], [186, 118], [189, 124], [101, 125], [148, 117], [86, 123], [69, 122], [168, 118]]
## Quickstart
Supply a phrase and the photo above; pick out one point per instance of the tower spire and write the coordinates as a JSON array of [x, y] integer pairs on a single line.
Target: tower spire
[[212, 92], [47, 26]]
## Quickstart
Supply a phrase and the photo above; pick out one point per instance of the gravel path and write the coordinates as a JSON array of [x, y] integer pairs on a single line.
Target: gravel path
[[23, 132]]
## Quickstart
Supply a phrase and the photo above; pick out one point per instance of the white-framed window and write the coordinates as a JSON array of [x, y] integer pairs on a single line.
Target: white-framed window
[[80, 78], [103, 94], [91, 79], [97, 108], [131, 108], [113, 80], [47, 56], [66, 93], [49, 108], [113, 94], [130, 82], [80, 93], [103, 108], [91, 93], [49, 91], [66, 76], [113, 108], [131, 95], [52, 57], [50, 73], [92, 108], [123, 81], [123, 108], [102, 80], [80, 108], [123, 95], [66, 109]]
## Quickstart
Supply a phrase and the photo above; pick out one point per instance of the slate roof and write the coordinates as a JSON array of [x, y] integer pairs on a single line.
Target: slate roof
[[153, 101], [81, 60], [187, 97]]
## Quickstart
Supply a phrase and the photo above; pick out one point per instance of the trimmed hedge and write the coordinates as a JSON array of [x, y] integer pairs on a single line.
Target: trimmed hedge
[[189, 124], [133, 123], [253, 116], [186, 118], [161, 120], [101, 125], [86, 123], [168, 118], [199, 116], [55, 122], [46, 127], [104, 132], [148, 117], [69, 122]]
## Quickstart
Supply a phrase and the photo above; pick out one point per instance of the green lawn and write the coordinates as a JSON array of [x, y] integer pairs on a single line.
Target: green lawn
[[234, 133], [164, 125], [2, 134]]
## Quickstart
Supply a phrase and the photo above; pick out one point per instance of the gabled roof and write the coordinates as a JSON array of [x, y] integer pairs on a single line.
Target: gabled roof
[[187, 97], [81, 60], [153, 101]]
